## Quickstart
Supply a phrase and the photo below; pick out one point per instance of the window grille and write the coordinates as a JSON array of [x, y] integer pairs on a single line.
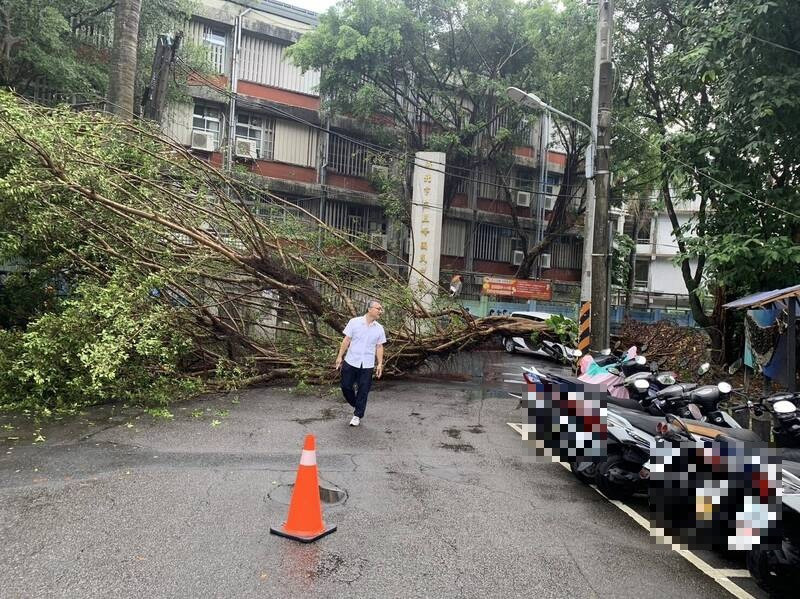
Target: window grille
[[348, 158], [492, 243], [215, 40], [207, 120], [258, 129]]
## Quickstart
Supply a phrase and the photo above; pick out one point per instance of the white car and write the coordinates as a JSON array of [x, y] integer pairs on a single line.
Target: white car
[[545, 348]]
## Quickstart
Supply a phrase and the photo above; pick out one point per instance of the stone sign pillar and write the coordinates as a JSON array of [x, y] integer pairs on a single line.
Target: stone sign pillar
[[425, 244]]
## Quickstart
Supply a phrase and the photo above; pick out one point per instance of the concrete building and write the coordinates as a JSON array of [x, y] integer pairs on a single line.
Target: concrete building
[[327, 165], [657, 279]]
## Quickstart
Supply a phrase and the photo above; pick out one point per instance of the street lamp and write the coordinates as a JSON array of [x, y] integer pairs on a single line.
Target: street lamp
[[533, 101]]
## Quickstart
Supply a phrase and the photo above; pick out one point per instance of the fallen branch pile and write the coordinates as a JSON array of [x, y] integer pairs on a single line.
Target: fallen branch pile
[[676, 348], [253, 280]]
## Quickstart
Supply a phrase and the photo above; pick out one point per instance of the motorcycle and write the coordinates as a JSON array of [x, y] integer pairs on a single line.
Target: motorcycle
[[712, 487], [630, 440], [612, 375], [785, 417], [567, 426], [777, 568]]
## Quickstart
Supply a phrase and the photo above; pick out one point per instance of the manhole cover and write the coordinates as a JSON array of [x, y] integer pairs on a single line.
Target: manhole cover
[[328, 494]]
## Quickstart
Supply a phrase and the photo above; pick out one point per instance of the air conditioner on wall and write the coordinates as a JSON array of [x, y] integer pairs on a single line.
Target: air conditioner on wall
[[544, 260], [523, 199], [516, 257], [203, 141], [549, 202], [377, 241], [247, 148], [379, 170]]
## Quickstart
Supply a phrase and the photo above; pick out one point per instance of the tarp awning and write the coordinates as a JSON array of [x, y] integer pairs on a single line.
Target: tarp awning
[[764, 297]]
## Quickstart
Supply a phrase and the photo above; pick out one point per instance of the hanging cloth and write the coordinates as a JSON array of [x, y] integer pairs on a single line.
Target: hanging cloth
[[763, 338]]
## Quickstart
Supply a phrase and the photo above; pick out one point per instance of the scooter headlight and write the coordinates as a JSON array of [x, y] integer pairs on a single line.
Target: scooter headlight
[[784, 407], [640, 360], [724, 388], [641, 385]]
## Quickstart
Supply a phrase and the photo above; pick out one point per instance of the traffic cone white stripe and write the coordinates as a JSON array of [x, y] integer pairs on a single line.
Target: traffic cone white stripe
[[308, 458]]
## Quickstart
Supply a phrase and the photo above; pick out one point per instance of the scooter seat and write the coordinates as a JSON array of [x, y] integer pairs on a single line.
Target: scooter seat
[[740, 434], [793, 467], [639, 419], [628, 404]]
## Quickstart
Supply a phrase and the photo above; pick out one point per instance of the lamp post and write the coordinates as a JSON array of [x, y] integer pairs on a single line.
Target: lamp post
[[533, 101], [584, 321]]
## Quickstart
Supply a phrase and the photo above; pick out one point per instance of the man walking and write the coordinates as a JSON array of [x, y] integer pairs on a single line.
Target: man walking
[[363, 341]]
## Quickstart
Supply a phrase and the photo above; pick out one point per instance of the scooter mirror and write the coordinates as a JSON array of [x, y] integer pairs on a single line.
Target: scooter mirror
[[653, 367], [640, 360], [734, 368], [704, 367], [666, 379], [605, 352]]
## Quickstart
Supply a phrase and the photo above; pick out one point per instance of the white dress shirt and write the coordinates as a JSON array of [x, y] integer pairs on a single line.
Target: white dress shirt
[[363, 340]]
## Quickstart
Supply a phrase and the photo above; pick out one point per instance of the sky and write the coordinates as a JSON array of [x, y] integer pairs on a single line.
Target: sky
[[315, 5]]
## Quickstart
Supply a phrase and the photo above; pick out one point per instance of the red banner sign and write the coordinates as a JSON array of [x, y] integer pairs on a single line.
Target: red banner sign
[[521, 288]]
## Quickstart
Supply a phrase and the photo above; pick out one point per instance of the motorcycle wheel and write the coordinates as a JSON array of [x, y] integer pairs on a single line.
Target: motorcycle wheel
[[779, 582], [508, 344], [610, 489], [587, 476]]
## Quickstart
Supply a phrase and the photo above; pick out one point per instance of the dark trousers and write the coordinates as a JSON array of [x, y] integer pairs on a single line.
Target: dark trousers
[[361, 378]]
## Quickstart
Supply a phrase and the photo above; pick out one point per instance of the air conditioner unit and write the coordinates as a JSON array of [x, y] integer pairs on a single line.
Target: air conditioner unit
[[246, 148], [524, 198], [379, 170], [517, 257], [544, 260], [203, 141], [549, 202], [377, 240]]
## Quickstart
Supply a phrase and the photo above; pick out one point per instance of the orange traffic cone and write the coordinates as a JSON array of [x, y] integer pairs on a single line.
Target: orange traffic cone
[[305, 511]]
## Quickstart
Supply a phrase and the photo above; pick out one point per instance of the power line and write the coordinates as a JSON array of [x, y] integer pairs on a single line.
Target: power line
[[392, 153], [771, 43], [707, 176]]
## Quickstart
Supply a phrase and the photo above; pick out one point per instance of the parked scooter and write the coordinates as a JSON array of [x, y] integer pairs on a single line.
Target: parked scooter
[[707, 489], [777, 568], [785, 416]]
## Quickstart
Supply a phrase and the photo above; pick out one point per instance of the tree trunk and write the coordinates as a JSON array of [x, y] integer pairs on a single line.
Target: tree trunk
[[123, 58], [632, 266]]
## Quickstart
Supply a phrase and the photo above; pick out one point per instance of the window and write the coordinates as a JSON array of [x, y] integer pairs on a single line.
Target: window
[[643, 235], [215, 40], [347, 158], [258, 129], [641, 274], [644, 232], [492, 243], [207, 120]]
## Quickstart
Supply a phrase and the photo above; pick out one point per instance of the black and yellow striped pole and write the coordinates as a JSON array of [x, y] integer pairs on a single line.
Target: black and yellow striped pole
[[585, 326]]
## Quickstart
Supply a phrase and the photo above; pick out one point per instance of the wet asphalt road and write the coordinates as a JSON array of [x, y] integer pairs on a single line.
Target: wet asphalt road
[[443, 500]]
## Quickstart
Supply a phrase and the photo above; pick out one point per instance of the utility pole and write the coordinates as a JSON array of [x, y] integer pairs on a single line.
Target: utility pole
[[155, 96], [585, 310], [601, 238], [237, 48]]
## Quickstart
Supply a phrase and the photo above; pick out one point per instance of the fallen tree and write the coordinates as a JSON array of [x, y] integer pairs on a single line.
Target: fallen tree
[[220, 275]]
